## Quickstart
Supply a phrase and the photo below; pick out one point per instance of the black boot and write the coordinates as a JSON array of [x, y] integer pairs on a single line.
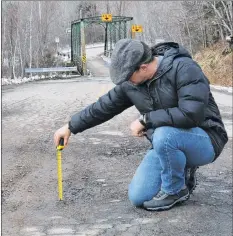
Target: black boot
[[191, 178]]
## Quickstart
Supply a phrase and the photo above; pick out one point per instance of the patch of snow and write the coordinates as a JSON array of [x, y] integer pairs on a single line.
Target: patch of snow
[[222, 88], [94, 52], [95, 45], [106, 59]]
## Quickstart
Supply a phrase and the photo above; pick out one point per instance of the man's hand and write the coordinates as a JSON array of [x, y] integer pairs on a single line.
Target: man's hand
[[63, 132], [137, 128]]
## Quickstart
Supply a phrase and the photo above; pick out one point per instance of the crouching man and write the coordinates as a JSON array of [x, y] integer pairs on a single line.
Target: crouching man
[[178, 115]]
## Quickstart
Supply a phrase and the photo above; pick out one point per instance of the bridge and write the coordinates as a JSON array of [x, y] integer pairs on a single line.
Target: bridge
[[119, 27]]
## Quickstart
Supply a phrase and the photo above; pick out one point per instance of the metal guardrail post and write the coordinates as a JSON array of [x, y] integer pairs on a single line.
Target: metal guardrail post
[[84, 65]]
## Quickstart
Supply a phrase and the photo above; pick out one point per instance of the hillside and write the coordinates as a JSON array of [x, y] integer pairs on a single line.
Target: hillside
[[216, 62]]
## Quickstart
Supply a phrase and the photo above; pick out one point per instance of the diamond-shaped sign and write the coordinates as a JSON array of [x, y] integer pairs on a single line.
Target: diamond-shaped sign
[[106, 17], [137, 28], [84, 59]]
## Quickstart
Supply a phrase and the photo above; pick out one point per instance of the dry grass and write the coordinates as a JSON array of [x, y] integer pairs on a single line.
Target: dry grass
[[216, 64]]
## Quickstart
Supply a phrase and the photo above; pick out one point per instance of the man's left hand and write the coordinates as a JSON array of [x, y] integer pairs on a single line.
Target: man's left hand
[[137, 128]]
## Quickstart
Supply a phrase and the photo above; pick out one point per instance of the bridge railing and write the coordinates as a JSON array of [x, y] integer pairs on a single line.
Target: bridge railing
[[53, 69]]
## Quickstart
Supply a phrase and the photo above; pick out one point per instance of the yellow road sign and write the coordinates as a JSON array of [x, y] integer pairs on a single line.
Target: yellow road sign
[[137, 28], [84, 59], [106, 17]]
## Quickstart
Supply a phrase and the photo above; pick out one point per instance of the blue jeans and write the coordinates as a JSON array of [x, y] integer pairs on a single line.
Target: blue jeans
[[163, 166]]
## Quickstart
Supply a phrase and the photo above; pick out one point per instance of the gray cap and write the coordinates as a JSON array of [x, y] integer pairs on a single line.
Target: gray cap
[[126, 57]]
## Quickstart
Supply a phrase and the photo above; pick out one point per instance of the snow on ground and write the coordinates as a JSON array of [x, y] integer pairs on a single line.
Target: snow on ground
[[94, 51], [106, 59], [95, 45], [221, 88]]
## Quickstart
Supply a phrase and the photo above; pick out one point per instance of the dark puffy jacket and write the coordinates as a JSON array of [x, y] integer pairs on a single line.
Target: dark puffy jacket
[[178, 96]]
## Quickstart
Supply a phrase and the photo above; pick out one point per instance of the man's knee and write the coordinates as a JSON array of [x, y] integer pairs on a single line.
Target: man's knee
[[135, 197], [161, 137]]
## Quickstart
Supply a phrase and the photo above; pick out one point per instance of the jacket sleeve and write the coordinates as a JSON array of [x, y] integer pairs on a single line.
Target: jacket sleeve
[[107, 106], [193, 94]]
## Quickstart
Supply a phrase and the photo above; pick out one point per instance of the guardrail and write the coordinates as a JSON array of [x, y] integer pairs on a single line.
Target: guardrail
[[53, 69]]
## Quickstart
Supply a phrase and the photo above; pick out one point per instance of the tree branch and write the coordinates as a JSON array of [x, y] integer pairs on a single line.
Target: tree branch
[[221, 18]]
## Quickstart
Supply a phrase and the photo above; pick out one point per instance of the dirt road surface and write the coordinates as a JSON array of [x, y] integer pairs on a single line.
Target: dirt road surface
[[97, 168]]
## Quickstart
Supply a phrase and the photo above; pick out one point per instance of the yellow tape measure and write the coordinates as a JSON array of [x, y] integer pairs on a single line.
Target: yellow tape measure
[[59, 168]]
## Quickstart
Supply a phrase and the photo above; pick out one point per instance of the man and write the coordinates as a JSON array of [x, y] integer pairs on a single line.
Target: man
[[178, 115]]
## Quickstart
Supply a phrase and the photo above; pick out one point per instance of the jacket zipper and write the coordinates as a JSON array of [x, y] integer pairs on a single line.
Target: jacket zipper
[[155, 88], [158, 98], [159, 75], [151, 97], [135, 86]]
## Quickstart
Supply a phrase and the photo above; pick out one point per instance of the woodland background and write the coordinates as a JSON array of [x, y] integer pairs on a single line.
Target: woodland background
[[29, 28]]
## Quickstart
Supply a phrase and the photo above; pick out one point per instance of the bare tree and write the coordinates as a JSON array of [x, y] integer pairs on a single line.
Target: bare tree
[[29, 29], [118, 7], [223, 14], [30, 36]]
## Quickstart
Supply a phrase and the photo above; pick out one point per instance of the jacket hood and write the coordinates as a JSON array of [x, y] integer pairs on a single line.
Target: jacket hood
[[170, 54], [182, 52], [169, 48]]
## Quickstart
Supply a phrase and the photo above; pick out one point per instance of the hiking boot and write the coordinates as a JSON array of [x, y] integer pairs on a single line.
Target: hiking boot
[[191, 178], [163, 201]]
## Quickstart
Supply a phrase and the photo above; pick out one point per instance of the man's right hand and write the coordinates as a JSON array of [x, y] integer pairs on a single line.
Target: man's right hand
[[63, 132]]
